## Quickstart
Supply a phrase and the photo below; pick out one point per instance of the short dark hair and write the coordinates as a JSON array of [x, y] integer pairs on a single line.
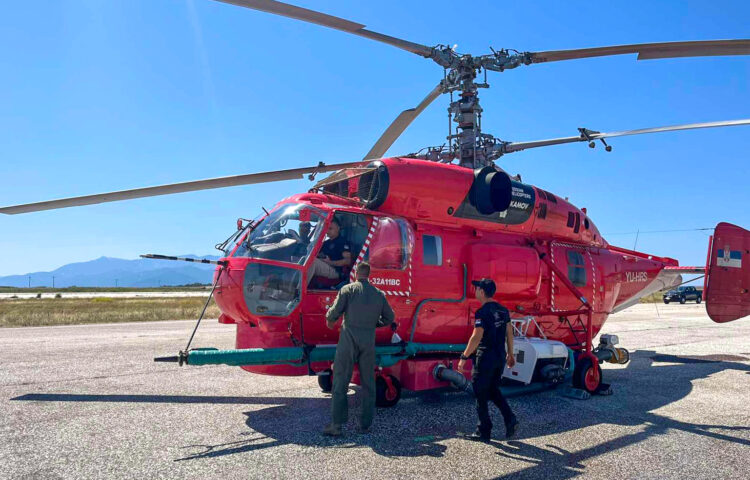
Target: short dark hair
[[486, 285], [336, 221], [363, 269]]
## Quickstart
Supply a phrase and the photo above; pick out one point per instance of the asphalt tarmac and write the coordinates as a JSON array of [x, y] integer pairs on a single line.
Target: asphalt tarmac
[[88, 402]]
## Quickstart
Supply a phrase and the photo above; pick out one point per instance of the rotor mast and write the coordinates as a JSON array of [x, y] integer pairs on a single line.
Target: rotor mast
[[467, 144], [467, 114]]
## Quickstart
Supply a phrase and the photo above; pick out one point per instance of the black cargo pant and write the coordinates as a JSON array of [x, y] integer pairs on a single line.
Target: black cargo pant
[[485, 377]]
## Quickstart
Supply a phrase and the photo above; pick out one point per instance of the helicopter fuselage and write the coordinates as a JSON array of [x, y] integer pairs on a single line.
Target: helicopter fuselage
[[425, 242]]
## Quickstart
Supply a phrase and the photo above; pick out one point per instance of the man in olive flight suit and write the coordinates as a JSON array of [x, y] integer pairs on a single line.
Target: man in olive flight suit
[[364, 308]]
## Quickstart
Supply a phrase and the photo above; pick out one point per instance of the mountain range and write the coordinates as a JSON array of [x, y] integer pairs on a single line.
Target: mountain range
[[111, 272]]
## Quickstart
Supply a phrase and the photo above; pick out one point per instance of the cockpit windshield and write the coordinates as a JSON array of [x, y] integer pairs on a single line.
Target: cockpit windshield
[[288, 234]]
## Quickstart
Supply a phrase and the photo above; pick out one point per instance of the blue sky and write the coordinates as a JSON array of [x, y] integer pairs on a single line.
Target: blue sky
[[107, 95]]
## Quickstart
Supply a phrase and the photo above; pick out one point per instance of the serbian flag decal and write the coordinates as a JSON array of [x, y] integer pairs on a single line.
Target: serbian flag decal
[[729, 258]]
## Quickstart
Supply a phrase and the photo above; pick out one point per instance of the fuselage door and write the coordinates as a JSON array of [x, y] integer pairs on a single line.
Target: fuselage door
[[576, 263]]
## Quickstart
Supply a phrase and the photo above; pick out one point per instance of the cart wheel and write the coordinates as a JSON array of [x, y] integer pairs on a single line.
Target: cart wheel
[[325, 380], [387, 395], [587, 375]]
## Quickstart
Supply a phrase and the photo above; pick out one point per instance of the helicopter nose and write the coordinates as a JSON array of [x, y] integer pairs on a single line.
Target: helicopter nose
[[248, 290], [229, 293]]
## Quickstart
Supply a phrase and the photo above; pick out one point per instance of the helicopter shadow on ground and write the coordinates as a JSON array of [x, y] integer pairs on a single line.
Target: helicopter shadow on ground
[[421, 422], [413, 428], [300, 420], [640, 389]]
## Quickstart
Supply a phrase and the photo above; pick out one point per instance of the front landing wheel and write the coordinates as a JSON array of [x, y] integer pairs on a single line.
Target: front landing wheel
[[587, 375], [387, 391]]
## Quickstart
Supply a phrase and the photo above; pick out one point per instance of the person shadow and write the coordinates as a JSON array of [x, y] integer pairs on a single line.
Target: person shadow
[[402, 431], [421, 422]]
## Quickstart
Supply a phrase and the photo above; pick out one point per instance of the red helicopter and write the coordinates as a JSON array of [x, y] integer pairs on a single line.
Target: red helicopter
[[430, 222]]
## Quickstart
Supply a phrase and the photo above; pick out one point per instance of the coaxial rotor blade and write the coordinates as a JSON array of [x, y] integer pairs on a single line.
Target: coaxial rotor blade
[[311, 16], [589, 135], [400, 124], [221, 182], [649, 51]]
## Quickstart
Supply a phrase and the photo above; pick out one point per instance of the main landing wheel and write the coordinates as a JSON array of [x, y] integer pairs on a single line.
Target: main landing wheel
[[587, 375], [325, 380], [387, 391]]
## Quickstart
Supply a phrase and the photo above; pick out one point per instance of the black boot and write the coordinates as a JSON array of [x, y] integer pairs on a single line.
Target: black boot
[[478, 436]]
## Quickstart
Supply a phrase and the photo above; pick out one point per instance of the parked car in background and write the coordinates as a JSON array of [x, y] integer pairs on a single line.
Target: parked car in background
[[683, 294]]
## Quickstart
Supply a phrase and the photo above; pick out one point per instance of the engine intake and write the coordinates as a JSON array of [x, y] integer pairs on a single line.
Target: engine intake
[[373, 186], [491, 191]]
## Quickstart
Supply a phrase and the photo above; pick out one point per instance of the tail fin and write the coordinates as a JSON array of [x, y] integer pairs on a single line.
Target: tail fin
[[728, 274]]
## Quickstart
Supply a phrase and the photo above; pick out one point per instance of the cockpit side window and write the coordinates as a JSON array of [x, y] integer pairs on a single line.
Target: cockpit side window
[[338, 251], [354, 229]]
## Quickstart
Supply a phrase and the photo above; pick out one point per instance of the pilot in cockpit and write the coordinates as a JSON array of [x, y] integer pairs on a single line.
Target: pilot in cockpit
[[303, 242], [335, 255], [305, 228]]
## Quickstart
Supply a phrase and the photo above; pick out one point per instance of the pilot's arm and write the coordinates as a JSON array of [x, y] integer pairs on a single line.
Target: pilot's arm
[[346, 260], [338, 308]]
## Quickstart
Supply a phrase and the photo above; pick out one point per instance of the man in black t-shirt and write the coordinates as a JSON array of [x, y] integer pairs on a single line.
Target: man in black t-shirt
[[335, 254], [492, 332]]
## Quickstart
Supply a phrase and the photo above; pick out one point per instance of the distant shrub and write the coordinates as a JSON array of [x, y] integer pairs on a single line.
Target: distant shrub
[[58, 295], [38, 295]]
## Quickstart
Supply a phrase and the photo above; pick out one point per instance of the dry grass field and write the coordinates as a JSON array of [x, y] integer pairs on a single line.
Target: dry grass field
[[47, 290], [78, 311], [34, 312], [653, 298]]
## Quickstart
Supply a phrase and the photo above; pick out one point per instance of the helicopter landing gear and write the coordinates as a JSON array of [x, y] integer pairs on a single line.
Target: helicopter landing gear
[[325, 380], [387, 390], [587, 375]]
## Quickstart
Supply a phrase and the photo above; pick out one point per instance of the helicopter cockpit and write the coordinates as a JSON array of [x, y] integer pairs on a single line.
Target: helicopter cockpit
[[288, 234]]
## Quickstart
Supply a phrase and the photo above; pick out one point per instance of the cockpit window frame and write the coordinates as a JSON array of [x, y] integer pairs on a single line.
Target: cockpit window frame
[[315, 242]]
